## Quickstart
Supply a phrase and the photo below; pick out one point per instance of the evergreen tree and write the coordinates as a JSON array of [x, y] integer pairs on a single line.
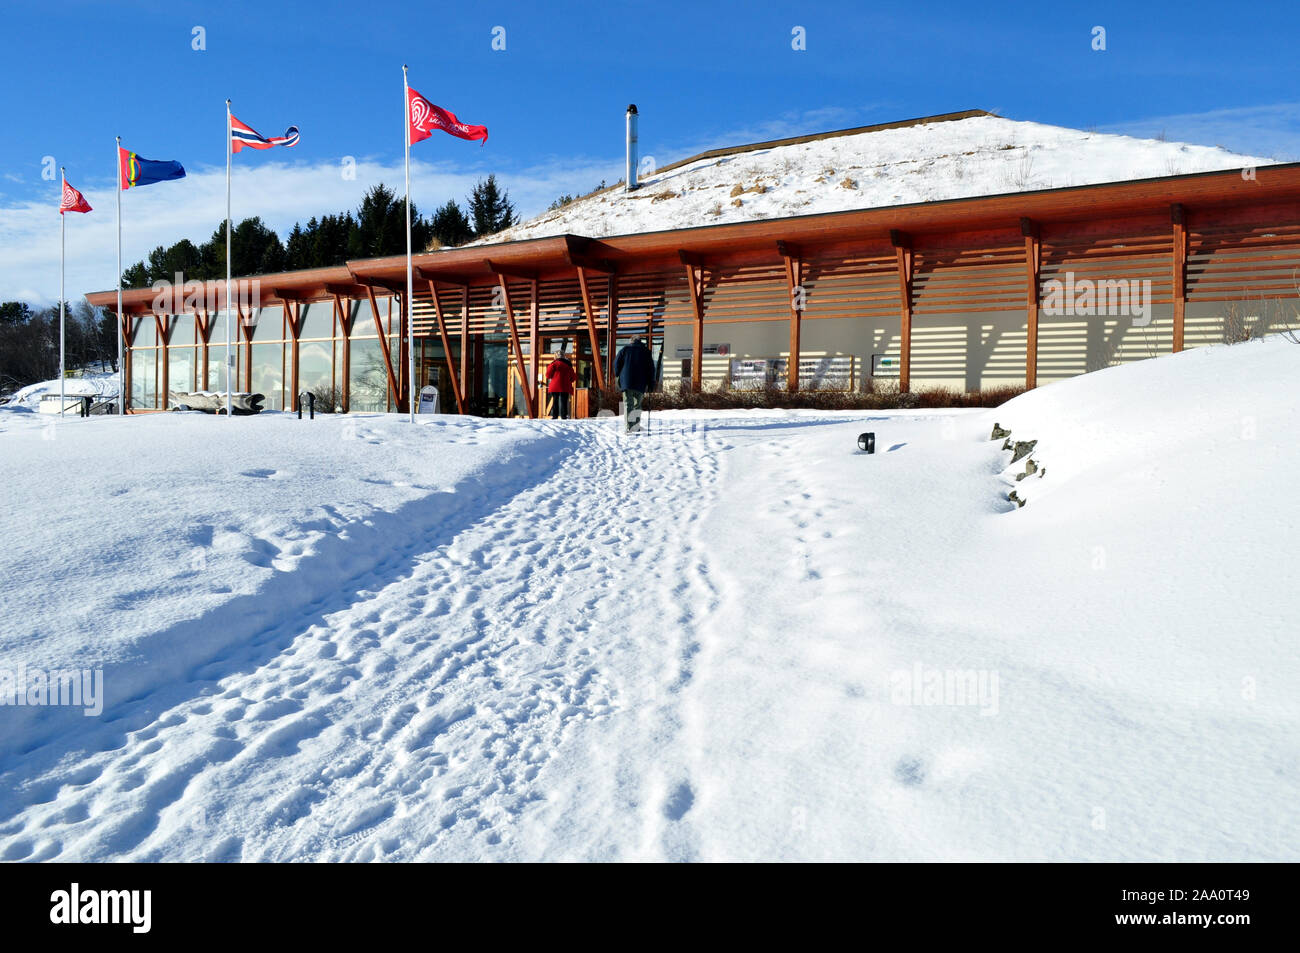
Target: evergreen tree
[[490, 208], [450, 226]]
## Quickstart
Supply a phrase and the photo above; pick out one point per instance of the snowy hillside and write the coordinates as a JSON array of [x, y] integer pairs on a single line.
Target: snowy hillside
[[983, 155], [733, 637]]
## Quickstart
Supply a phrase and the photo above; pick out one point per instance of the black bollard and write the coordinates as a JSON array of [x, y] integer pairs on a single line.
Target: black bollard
[[867, 442]]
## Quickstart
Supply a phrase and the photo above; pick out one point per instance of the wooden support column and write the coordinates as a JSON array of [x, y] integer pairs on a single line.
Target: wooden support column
[[903, 250], [1178, 215], [204, 325], [404, 382], [293, 312], [794, 275], [590, 311], [343, 315], [529, 401], [165, 324], [456, 387], [464, 341], [695, 283], [1033, 266], [246, 331], [128, 338], [534, 345], [612, 344], [394, 390]]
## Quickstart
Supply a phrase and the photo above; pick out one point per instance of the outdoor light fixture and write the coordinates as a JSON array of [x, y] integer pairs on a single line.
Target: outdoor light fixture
[[867, 442]]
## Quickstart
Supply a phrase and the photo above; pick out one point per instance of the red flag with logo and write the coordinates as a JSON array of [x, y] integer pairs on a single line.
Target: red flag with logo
[[73, 201], [423, 118]]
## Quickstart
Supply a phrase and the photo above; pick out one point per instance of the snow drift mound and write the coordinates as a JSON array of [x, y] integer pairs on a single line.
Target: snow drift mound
[[1208, 426]]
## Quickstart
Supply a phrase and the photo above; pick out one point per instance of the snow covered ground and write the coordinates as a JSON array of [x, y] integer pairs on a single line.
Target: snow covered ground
[[984, 155], [356, 639]]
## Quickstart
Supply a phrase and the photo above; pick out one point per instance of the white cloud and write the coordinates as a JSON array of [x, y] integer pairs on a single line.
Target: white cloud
[[1272, 130], [193, 207]]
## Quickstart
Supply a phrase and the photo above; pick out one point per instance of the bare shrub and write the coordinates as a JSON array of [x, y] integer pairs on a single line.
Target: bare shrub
[[329, 400], [882, 396]]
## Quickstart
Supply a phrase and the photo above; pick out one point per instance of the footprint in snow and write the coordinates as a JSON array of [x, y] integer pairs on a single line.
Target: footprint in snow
[[679, 802], [910, 771]]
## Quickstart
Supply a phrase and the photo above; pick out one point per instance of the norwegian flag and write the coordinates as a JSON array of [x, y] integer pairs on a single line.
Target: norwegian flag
[[73, 201], [423, 117], [243, 136]]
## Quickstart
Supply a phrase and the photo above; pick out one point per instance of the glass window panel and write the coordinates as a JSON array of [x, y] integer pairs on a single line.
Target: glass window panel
[[217, 368], [183, 329], [146, 334], [180, 368], [363, 325], [369, 378], [144, 378], [270, 325], [268, 374], [315, 372], [317, 320]]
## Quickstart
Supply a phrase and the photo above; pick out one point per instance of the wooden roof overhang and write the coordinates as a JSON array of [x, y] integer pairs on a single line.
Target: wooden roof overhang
[[1262, 196]]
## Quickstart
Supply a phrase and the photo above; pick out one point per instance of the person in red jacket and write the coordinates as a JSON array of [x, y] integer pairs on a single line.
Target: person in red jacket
[[559, 384]]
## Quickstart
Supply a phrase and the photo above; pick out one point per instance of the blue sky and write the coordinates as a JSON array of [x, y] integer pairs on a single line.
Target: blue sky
[[703, 74]]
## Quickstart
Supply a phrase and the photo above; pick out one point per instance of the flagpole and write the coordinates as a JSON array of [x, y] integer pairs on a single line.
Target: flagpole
[[63, 244], [229, 356], [410, 284], [121, 358]]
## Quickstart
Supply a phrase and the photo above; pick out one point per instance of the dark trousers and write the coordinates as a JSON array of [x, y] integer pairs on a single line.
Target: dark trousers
[[560, 406]]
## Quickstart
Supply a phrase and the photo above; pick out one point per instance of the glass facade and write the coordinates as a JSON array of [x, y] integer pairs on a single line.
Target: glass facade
[[266, 367]]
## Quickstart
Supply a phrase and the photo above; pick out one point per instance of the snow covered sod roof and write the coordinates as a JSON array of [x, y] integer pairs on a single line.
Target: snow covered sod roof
[[930, 161]]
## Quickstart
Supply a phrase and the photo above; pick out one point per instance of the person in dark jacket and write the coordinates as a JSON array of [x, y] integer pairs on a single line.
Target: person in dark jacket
[[559, 384], [636, 375]]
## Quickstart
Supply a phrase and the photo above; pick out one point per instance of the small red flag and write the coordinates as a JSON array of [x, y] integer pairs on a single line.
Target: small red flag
[[423, 117], [73, 201]]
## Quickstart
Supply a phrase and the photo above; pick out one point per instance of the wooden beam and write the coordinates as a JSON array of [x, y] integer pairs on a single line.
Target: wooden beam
[[903, 256], [285, 294], [1178, 216], [404, 369], [343, 315], [534, 344], [464, 340], [128, 338], [393, 389], [163, 324], [247, 333], [582, 252], [612, 301], [518, 274], [392, 287], [293, 312], [203, 324], [695, 280], [529, 403], [1033, 265], [345, 290], [455, 281], [590, 312], [446, 349], [794, 275]]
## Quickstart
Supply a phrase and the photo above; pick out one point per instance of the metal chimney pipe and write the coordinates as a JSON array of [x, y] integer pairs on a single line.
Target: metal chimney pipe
[[631, 149]]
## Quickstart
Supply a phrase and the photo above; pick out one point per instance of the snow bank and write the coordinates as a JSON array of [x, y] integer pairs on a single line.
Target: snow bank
[[151, 545]]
